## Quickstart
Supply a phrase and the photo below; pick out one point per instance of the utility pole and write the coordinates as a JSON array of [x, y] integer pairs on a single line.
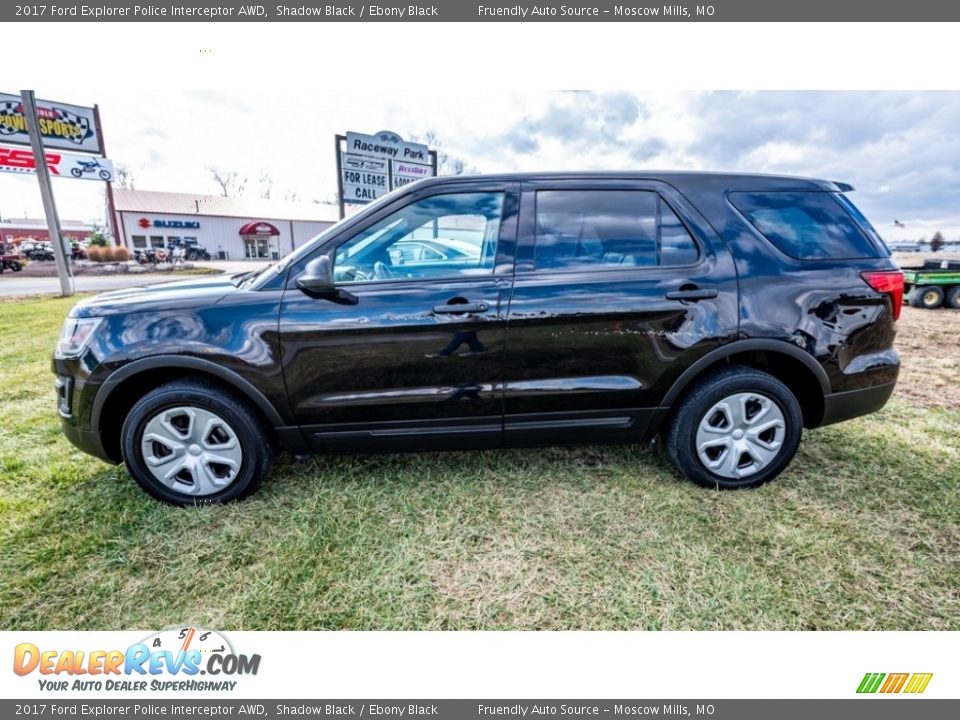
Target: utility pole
[[46, 190], [115, 229]]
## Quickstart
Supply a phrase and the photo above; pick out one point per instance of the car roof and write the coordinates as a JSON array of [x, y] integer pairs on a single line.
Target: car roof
[[681, 179]]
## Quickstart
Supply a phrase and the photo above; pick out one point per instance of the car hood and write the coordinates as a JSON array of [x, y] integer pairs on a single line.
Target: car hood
[[201, 291]]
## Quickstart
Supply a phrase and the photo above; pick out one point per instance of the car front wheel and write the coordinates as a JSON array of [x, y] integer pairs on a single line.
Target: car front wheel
[[737, 428], [192, 442]]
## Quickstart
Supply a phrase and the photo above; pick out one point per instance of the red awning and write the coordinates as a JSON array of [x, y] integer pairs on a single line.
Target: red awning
[[259, 227]]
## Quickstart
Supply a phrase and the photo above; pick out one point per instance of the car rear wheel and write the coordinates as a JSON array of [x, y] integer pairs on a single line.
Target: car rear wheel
[[192, 442], [737, 428]]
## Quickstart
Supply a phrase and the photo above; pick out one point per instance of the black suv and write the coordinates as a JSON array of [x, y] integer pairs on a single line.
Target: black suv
[[192, 250], [726, 312]]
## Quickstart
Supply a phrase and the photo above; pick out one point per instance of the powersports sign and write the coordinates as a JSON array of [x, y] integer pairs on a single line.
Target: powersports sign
[[373, 165], [62, 126], [60, 164]]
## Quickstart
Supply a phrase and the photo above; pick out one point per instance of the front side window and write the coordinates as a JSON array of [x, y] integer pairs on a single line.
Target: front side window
[[437, 237], [603, 229], [805, 225]]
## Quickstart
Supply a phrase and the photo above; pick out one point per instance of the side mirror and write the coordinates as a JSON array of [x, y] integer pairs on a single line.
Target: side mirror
[[316, 280]]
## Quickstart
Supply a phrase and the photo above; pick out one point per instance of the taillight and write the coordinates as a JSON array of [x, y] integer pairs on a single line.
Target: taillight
[[889, 282]]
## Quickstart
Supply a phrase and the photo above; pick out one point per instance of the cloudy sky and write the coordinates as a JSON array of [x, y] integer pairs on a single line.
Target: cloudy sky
[[901, 150]]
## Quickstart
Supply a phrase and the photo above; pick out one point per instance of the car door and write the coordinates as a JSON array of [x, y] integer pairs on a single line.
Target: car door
[[620, 285], [417, 361]]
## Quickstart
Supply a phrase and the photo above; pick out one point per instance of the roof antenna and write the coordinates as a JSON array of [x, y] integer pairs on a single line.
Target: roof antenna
[[197, 203]]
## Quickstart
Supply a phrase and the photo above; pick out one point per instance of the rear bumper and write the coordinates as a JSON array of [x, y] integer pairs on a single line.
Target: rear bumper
[[854, 403]]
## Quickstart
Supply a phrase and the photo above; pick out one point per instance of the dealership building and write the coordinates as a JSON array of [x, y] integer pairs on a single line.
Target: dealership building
[[23, 230], [229, 228]]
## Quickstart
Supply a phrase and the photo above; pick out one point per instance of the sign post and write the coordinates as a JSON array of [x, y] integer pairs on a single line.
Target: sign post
[[74, 135], [370, 166], [111, 209], [46, 190]]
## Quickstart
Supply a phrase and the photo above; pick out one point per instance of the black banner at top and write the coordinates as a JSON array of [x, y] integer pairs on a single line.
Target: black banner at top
[[208, 11]]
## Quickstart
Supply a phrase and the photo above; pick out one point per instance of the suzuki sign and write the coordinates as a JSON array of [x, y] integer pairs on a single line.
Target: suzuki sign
[[177, 224]]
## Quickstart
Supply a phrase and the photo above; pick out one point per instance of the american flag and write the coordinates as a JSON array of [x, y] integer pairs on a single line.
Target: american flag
[[898, 224]]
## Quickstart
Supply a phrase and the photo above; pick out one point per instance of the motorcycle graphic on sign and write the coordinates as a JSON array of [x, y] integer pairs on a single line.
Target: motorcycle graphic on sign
[[90, 166], [59, 163]]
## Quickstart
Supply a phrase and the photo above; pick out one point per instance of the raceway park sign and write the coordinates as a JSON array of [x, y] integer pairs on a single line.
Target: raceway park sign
[[373, 165], [387, 145], [61, 164], [62, 126]]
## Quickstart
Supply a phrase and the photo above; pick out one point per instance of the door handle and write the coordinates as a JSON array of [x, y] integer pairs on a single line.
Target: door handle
[[461, 308], [693, 294]]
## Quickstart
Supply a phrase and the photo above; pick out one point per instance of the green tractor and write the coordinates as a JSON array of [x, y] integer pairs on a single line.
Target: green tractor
[[935, 284]]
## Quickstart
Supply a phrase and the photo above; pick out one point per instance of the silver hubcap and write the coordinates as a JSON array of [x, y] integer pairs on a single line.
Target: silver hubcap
[[740, 435], [191, 450]]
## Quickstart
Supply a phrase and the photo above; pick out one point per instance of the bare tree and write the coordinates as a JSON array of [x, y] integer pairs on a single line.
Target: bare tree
[[290, 196], [936, 242], [231, 183], [447, 164], [124, 177], [266, 184]]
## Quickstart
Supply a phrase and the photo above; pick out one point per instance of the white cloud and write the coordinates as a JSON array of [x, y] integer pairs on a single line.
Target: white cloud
[[901, 150]]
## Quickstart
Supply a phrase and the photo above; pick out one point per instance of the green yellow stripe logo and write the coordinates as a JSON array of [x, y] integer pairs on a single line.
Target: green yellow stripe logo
[[885, 683]]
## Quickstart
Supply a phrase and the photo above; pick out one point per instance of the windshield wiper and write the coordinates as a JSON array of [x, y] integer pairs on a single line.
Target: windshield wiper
[[247, 277], [240, 277]]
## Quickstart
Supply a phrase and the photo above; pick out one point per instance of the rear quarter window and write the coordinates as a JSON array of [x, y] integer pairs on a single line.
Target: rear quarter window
[[805, 225]]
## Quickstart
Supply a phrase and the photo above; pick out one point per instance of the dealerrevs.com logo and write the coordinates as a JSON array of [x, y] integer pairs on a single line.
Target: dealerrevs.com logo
[[180, 659]]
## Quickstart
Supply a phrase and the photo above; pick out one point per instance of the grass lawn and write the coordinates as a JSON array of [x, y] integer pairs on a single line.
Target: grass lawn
[[862, 532]]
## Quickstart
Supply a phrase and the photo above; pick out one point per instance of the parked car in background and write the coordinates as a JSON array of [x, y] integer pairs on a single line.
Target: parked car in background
[[724, 313], [192, 250], [38, 251]]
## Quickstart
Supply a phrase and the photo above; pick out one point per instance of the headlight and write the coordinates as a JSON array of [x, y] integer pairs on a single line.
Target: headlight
[[75, 336]]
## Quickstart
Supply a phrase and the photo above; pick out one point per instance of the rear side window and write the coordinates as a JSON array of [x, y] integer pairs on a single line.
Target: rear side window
[[603, 229], [805, 225]]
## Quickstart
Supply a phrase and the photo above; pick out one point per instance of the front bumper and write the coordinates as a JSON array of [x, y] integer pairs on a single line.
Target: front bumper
[[87, 440]]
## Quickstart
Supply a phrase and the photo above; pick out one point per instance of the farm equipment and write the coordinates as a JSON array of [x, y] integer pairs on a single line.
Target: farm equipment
[[934, 284], [9, 258]]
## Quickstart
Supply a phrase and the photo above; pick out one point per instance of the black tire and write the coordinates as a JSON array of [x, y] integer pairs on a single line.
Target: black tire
[[191, 256], [680, 435], [16, 267], [249, 429], [953, 297], [926, 297]]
